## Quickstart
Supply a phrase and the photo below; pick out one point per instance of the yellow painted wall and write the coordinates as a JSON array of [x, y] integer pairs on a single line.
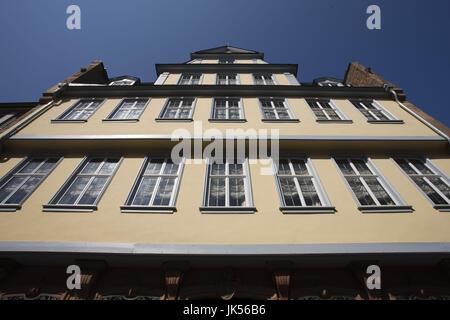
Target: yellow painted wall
[[307, 125], [188, 226]]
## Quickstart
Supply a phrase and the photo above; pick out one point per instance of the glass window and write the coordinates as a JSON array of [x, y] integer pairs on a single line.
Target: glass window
[[226, 60], [156, 184], [190, 79], [298, 184], [275, 109], [228, 184], [227, 109], [81, 110], [430, 180], [264, 79], [129, 109], [368, 186], [123, 82], [16, 186], [373, 111], [87, 183], [226, 78], [178, 108], [325, 109]]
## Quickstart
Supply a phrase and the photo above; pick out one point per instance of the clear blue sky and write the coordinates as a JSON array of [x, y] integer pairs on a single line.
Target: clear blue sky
[[411, 50]]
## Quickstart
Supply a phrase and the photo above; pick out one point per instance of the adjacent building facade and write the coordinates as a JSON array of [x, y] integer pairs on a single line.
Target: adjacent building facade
[[134, 182]]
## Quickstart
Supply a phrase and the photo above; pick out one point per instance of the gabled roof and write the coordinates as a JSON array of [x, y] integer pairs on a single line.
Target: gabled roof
[[228, 51]]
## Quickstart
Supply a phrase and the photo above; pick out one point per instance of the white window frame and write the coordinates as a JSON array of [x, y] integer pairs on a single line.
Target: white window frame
[[438, 173], [262, 74], [191, 114], [15, 172], [400, 204], [227, 74], [228, 119], [61, 118], [120, 104], [334, 107], [326, 206], [122, 82], [190, 82], [277, 119], [249, 208], [170, 208], [53, 204], [379, 107]]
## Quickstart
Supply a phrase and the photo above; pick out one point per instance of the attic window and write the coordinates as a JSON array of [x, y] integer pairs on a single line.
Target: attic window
[[123, 82], [226, 60], [329, 83]]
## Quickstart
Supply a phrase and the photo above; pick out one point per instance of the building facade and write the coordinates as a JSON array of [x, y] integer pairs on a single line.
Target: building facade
[[134, 182]]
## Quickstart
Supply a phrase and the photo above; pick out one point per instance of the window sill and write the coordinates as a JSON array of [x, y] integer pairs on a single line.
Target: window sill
[[175, 120], [67, 121], [442, 207], [386, 121], [335, 121], [385, 209], [120, 120], [227, 120], [68, 208], [227, 209], [308, 209], [280, 120], [147, 209], [10, 207]]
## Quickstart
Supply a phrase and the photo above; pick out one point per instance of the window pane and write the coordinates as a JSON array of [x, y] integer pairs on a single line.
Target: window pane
[[309, 192], [92, 166], [299, 167], [429, 191], [25, 190], [360, 191], [283, 167], [217, 192], [145, 191], [421, 166], [47, 166], [235, 168], [361, 166], [378, 190], [93, 191], [154, 166], [164, 192], [405, 166], [10, 186], [290, 193], [109, 166], [170, 168], [345, 167], [217, 168], [441, 186], [74, 191], [31, 165], [237, 192]]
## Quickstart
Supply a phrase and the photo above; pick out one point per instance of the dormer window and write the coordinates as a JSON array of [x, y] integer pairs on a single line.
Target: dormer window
[[123, 82], [226, 60], [329, 83]]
